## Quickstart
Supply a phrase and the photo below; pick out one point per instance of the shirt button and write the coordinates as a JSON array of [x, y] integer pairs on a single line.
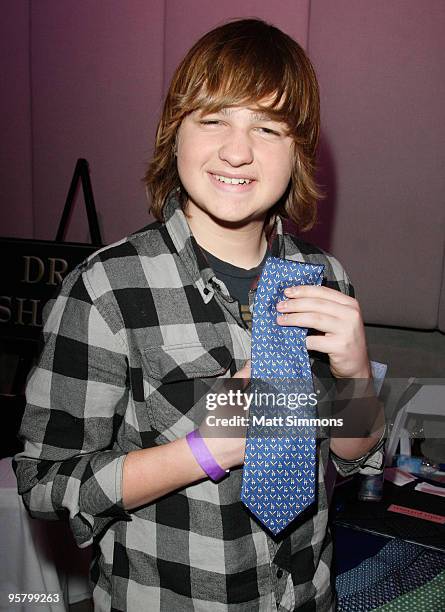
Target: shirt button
[[279, 573]]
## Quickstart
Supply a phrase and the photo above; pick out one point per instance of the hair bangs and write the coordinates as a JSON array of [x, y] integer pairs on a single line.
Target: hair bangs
[[240, 77]]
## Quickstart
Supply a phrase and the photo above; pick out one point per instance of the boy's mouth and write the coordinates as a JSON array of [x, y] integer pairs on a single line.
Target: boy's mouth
[[232, 181], [239, 180]]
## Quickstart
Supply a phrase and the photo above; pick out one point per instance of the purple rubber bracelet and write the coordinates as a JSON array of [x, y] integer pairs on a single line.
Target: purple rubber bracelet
[[204, 457]]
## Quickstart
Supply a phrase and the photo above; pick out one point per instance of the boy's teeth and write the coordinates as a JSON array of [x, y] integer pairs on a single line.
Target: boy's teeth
[[232, 181]]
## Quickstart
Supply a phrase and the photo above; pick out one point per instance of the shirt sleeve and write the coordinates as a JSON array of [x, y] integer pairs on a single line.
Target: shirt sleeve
[[75, 401]]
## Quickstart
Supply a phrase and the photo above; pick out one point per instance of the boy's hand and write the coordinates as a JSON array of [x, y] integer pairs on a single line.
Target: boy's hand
[[338, 317], [244, 373], [227, 443]]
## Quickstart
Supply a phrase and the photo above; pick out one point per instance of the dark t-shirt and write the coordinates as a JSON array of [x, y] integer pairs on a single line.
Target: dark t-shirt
[[237, 280]]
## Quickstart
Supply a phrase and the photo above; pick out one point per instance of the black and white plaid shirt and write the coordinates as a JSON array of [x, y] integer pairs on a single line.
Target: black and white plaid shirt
[[131, 330]]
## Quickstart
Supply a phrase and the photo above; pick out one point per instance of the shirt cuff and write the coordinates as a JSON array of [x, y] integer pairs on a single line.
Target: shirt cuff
[[371, 463], [378, 374]]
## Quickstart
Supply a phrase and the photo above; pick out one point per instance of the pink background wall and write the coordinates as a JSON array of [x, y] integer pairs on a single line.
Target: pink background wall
[[16, 209], [85, 79], [381, 71]]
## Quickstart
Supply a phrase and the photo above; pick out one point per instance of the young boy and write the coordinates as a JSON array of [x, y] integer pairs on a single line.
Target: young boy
[[135, 327]]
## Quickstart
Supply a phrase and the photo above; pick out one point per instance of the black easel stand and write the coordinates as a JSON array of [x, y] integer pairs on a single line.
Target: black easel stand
[[82, 174]]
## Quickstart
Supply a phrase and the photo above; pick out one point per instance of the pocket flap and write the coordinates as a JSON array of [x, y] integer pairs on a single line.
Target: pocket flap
[[170, 363]]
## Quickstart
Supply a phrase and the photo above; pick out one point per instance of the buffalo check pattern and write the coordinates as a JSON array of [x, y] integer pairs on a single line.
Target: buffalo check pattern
[[132, 330], [280, 460]]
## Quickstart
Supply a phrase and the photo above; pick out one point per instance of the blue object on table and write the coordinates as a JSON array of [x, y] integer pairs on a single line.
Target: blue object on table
[[409, 463], [399, 567]]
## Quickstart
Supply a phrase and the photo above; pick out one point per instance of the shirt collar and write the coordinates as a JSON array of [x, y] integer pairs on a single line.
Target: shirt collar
[[190, 253]]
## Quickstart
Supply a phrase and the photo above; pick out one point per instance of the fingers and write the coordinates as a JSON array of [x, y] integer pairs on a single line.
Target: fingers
[[318, 291], [314, 304], [323, 344], [314, 320], [324, 312], [337, 317], [245, 371], [347, 352]]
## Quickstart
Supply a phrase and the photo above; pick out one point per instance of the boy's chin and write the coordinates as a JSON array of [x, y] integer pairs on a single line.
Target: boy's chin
[[236, 220]]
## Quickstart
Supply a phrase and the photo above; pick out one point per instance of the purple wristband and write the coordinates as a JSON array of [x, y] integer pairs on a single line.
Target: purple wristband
[[204, 457]]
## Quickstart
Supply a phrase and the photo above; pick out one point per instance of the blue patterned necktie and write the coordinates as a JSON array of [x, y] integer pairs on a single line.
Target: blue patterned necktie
[[280, 458]]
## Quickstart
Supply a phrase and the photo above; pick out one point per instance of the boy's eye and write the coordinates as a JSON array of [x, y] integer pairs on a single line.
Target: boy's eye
[[266, 130], [209, 122]]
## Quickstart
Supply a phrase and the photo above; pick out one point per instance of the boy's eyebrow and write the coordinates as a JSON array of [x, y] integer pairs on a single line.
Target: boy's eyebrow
[[260, 116]]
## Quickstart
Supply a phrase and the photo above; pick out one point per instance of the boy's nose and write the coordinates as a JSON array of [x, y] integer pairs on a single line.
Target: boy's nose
[[237, 149]]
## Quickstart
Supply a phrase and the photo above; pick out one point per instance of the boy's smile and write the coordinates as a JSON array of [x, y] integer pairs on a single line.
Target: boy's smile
[[235, 164], [231, 181]]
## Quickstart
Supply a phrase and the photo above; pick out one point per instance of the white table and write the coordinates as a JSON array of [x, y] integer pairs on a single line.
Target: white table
[[37, 556]]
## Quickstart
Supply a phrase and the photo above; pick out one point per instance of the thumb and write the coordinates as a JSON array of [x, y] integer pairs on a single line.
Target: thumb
[[244, 372]]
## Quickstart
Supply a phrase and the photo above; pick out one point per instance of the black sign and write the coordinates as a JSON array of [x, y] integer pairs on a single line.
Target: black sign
[[31, 273]]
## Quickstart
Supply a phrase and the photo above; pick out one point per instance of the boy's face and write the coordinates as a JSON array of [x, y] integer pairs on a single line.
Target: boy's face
[[235, 163]]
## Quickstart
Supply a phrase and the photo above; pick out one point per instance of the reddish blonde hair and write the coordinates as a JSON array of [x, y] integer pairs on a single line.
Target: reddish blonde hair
[[242, 63]]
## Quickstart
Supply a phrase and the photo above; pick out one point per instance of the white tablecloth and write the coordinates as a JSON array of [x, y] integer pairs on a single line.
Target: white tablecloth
[[37, 556]]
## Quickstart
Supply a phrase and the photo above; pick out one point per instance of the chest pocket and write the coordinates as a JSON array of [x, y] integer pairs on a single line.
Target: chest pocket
[[170, 363], [176, 379]]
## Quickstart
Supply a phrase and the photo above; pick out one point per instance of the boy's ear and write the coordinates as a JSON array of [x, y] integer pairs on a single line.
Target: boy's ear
[[175, 145]]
